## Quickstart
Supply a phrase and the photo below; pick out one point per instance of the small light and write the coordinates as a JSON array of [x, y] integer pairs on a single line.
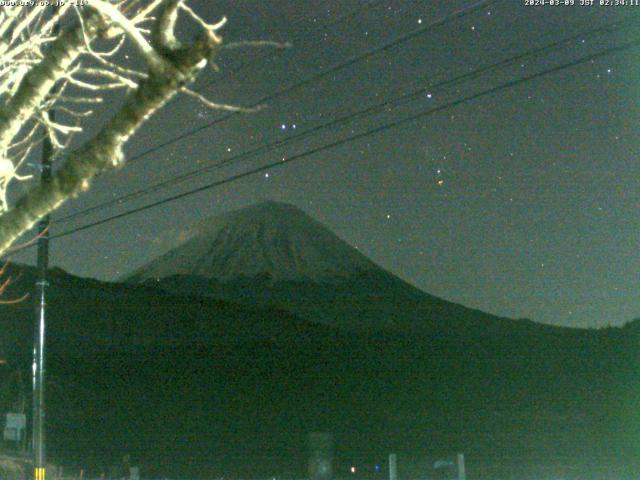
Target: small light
[[419, 21], [352, 470], [266, 175], [429, 95], [283, 127]]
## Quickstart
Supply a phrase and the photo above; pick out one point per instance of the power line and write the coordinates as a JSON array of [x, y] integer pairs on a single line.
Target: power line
[[626, 46], [273, 53], [611, 27], [317, 76]]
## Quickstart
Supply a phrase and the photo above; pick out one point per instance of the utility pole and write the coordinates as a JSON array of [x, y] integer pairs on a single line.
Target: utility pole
[[38, 421], [320, 456], [462, 474], [393, 466]]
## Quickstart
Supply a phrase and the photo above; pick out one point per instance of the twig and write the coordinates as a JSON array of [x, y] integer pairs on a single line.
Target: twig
[[219, 106], [256, 44]]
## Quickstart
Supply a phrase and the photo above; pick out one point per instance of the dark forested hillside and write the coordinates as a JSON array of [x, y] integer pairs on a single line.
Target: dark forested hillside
[[223, 388]]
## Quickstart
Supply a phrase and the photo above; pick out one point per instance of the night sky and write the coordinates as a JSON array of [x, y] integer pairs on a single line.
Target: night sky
[[521, 203]]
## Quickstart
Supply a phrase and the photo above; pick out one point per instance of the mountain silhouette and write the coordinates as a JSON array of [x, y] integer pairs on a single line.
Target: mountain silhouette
[[274, 254], [215, 362], [272, 239]]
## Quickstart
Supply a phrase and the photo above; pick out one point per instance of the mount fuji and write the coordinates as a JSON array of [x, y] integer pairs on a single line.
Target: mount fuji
[[262, 326], [412, 362], [274, 254], [272, 240]]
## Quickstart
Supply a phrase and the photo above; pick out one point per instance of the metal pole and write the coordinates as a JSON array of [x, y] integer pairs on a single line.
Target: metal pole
[[462, 474], [320, 456], [38, 422], [39, 451], [393, 467]]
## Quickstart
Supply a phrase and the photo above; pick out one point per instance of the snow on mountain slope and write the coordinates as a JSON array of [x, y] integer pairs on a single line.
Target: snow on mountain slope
[[270, 239]]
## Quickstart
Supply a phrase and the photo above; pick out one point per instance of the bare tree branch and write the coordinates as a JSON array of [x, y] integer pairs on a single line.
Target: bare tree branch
[[37, 83], [42, 68], [104, 150], [218, 106], [255, 43]]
